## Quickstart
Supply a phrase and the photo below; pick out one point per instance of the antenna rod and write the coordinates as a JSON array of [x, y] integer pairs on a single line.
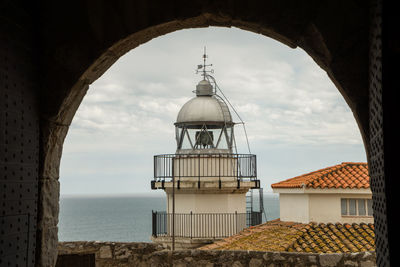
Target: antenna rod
[[204, 66], [204, 63]]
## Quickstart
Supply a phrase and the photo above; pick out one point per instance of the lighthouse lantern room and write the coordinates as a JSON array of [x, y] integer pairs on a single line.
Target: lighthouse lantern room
[[205, 181]]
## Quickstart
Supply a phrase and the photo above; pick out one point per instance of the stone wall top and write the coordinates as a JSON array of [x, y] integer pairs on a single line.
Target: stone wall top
[[119, 254]]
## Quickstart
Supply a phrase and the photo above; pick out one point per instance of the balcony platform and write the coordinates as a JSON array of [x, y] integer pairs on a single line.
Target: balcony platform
[[207, 185], [204, 172], [193, 230]]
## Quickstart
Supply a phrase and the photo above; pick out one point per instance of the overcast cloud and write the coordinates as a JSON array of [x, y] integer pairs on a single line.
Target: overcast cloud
[[296, 119]]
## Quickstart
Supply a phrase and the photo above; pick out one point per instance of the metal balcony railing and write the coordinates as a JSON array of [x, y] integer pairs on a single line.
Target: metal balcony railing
[[198, 166], [202, 225]]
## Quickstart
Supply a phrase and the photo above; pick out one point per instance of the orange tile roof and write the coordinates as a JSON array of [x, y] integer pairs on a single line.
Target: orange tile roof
[[297, 237], [345, 175]]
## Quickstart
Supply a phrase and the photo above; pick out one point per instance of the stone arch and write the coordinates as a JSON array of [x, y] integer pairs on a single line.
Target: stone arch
[[79, 49]]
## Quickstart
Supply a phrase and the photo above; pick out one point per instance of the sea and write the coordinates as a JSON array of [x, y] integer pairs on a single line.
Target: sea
[[123, 218]]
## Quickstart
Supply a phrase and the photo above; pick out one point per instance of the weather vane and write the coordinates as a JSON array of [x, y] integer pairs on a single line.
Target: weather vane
[[204, 71]]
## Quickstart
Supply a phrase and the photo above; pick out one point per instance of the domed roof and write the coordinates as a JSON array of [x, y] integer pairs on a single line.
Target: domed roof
[[205, 107]]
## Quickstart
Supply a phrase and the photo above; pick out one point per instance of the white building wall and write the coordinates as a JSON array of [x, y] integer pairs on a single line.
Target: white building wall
[[294, 207], [207, 203], [190, 167], [224, 223], [326, 208], [319, 205]]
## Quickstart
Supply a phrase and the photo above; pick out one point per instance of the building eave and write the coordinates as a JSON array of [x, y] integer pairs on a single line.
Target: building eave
[[304, 190]]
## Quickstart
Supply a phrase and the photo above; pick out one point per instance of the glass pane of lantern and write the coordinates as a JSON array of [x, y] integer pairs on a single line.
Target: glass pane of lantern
[[185, 142], [217, 133], [222, 142], [229, 132], [178, 132], [192, 133]]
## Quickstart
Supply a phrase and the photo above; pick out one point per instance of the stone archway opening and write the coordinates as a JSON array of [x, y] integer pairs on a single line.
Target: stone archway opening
[[56, 125], [175, 92]]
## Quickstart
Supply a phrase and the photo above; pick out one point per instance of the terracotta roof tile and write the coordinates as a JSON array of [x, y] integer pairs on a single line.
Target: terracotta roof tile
[[345, 175], [288, 236]]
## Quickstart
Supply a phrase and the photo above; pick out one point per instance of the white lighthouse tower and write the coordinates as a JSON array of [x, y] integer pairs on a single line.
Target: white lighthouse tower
[[205, 181]]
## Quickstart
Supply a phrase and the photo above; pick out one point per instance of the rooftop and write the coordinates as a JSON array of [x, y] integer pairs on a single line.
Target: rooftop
[[345, 175], [297, 237]]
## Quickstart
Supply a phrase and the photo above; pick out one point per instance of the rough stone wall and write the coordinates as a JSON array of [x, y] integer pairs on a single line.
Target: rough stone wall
[[376, 156], [19, 135], [112, 254], [116, 254]]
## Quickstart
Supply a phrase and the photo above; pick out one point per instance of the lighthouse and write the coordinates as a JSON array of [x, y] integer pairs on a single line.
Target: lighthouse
[[205, 180]]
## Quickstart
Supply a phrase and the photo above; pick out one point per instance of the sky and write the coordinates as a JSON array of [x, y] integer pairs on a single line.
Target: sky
[[296, 120]]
